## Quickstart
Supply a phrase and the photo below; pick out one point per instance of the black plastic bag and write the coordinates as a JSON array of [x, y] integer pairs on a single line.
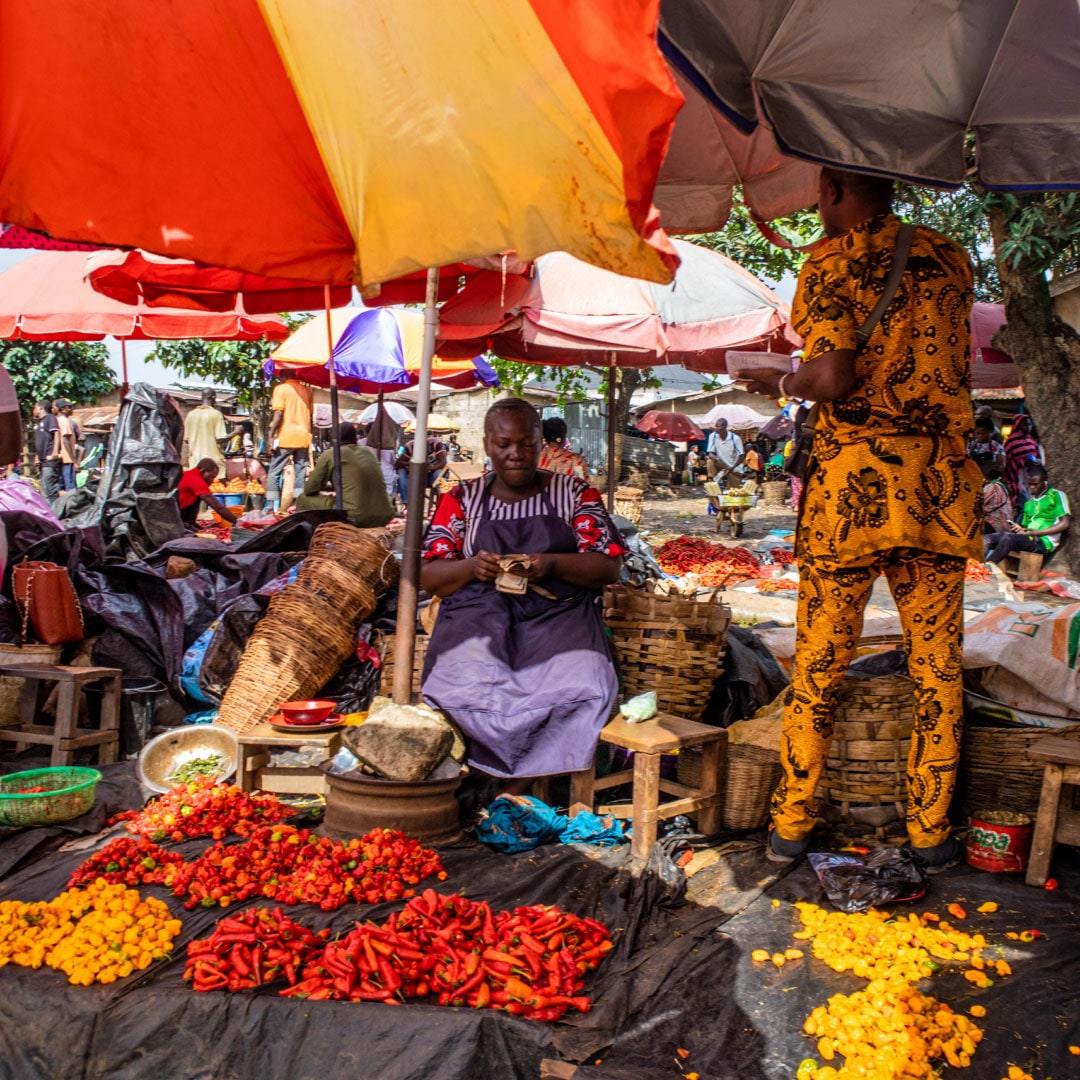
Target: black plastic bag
[[859, 882]]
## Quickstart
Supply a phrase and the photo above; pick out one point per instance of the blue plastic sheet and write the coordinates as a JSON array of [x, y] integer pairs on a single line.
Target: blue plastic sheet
[[515, 823]]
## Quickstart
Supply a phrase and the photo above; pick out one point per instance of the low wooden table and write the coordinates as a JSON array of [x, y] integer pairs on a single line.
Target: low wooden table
[[664, 734], [1056, 823], [253, 769], [64, 735]]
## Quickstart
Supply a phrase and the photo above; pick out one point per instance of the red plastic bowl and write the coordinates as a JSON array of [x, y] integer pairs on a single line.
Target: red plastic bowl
[[306, 712]]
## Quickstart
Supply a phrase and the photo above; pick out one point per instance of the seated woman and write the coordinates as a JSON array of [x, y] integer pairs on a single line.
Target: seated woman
[[528, 678]]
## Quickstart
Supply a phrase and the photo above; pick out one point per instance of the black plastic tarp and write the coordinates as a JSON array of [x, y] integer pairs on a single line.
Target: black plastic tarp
[[680, 976]]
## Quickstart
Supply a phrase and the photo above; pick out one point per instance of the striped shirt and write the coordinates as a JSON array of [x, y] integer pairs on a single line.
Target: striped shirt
[[457, 514]]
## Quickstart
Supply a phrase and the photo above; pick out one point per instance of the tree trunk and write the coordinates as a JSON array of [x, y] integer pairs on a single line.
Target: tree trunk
[[627, 380], [1046, 351]]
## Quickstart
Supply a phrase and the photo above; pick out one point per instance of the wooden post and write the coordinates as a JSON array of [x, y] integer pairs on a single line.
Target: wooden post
[[335, 434], [646, 802], [613, 468], [1042, 843], [409, 584]]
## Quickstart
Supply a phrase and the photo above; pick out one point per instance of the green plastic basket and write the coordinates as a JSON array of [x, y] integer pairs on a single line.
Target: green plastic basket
[[69, 793]]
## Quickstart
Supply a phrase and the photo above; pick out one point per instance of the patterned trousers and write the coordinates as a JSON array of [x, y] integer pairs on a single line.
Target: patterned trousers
[[929, 591]]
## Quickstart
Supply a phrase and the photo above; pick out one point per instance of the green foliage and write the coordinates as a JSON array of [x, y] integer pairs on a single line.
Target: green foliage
[[742, 242], [570, 383], [1044, 230], [76, 370]]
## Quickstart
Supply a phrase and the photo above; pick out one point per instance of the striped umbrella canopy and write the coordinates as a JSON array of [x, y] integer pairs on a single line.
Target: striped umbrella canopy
[[374, 349], [339, 143]]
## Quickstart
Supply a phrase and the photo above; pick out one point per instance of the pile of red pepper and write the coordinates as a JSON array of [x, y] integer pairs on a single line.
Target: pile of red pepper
[[250, 949], [782, 556], [203, 808], [530, 962], [293, 866], [976, 571], [717, 565], [126, 862]]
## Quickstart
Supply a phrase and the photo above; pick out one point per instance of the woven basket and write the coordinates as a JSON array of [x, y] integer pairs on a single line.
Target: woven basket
[[752, 776], [363, 552], [628, 503], [386, 674], [996, 772], [671, 644], [309, 628], [865, 777], [775, 492]]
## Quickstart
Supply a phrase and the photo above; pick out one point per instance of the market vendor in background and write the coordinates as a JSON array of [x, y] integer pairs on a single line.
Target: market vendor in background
[[555, 457], [890, 490], [195, 489], [436, 462], [47, 450], [724, 453], [528, 677], [363, 491], [290, 436], [1045, 518], [205, 432]]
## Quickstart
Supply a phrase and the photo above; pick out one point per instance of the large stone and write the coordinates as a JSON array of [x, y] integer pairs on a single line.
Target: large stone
[[401, 742]]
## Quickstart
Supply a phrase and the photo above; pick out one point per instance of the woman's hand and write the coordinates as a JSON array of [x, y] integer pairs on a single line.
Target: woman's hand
[[485, 566], [540, 566], [764, 381]]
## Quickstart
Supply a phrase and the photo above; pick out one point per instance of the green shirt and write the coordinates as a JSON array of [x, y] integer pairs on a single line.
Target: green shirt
[[1048, 509], [363, 488]]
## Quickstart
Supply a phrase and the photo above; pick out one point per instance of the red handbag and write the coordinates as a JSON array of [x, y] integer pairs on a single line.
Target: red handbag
[[47, 602]]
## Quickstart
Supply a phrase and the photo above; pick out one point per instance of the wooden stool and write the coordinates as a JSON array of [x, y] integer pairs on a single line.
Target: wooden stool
[[664, 734], [1028, 565], [253, 769], [1056, 824], [65, 736]]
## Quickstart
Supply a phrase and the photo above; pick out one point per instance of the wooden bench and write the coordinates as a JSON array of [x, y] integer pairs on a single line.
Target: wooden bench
[[1025, 566], [65, 736], [1057, 821], [648, 741]]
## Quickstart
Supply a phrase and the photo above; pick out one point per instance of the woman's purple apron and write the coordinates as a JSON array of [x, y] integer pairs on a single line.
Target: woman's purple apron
[[528, 679]]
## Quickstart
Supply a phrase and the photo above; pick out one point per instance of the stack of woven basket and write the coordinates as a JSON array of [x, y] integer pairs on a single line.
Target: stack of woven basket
[[628, 502], [864, 782], [310, 627], [674, 645]]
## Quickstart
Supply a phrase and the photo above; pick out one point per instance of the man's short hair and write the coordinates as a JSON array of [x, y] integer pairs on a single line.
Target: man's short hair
[[207, 464], [45, 404], [508, 406], [347, 434], [1035, 469], [862, 187], [554, 429], [984, 423]]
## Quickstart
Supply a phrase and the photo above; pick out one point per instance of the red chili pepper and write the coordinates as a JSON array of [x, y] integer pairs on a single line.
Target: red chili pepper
[[1051, 883]]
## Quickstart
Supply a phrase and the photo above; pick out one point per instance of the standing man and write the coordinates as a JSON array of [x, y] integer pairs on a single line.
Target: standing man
[[436, 462], [69, 446], [205, 432], [290, 435], [47, 450], [890, 490], [724, 451]]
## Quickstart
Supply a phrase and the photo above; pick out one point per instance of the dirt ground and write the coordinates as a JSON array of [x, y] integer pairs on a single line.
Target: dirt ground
[[669, 512]]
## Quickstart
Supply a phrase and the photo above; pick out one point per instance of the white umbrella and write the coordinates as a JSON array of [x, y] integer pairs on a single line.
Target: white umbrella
[[739, 417], [398, 413]]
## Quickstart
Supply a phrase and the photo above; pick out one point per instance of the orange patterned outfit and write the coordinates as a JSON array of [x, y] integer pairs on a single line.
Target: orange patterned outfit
[[558, 459], [890, 491]]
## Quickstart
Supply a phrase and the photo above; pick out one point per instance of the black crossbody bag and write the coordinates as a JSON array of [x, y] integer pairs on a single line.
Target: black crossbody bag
[[797, 463]]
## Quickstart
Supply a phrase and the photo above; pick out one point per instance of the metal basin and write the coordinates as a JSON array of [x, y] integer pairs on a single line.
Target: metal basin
[[426, 810], [165, 753]]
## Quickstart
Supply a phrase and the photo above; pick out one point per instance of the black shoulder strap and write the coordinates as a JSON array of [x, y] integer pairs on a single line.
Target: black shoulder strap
[[892, 283]]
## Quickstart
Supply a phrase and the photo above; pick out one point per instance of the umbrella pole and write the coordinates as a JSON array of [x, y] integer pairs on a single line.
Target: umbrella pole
[[123, 362], [409, 585], [335, 434], [612, 478]]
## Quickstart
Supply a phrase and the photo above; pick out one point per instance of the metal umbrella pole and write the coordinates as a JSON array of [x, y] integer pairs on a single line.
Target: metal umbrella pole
[[409, 585], [335, 434]]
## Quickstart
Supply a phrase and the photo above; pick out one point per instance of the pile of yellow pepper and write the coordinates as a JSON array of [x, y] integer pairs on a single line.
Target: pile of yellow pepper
[[890, 1030], [98, 934]]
